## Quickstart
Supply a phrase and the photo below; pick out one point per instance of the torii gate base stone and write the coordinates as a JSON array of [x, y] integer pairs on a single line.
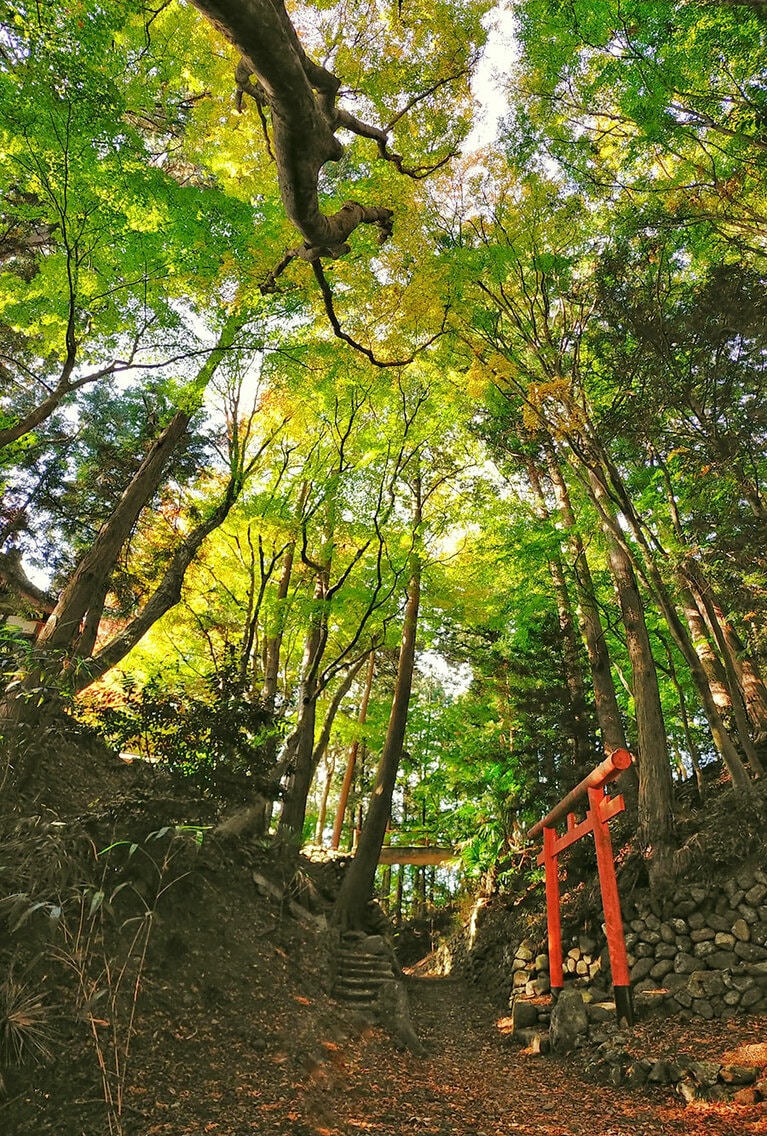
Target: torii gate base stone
[[600, 809]]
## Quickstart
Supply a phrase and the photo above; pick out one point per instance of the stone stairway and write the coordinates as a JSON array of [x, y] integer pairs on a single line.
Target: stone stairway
[[363, 964]]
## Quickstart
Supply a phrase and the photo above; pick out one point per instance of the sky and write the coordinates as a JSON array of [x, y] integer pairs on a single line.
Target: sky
[[490, 80]]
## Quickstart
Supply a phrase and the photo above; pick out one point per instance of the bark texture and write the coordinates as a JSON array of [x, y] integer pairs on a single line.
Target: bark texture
[[593, 634], [351, 760], [301, 96], [583, 748]]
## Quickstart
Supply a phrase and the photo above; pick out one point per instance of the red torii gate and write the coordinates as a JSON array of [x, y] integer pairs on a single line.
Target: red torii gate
[[601, 809]]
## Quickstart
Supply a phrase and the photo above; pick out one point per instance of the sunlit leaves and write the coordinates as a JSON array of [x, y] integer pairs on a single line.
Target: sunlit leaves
[[666, 98]]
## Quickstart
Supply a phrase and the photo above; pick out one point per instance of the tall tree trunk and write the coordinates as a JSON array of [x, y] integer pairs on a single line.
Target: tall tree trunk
[[272, 655], [386, 889], [608, 711], [692, 747], [86, 590], [399, 896], [593, 633], [655, 805], [583, 750], [693, 589], [273, 643], [88, 586], [327, 726], [298, 758], [421, 892], [747, 688], [678, 629], [738, 706], [357, 887], [165, 596], [276, 629], [351, 760], [323, 811], [709, 660], [750, 680], [299, 770]]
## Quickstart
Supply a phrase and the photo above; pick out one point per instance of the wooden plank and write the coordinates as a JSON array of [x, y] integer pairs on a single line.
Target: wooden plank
[[427, 854]]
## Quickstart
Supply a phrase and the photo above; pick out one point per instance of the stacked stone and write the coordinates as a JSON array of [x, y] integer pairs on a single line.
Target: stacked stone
[[530, 966], [583, 960], [575, 1022], [529, 971], [692, 1080], [707, 947]]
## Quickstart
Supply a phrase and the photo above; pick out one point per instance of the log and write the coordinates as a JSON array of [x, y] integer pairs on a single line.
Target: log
[[610, 768], [428, 854]]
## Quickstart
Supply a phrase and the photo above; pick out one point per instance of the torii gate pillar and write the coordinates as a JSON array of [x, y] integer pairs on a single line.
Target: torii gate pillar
[[601, 808]]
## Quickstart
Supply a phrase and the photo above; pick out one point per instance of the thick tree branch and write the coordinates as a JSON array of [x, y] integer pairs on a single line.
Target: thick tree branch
[[301, 96]]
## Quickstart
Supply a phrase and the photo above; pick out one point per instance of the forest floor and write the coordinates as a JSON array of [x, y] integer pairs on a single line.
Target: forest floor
[[232, 1030]]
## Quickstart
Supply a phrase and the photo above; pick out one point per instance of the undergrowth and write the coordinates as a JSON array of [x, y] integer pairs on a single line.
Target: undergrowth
[[75, 927]]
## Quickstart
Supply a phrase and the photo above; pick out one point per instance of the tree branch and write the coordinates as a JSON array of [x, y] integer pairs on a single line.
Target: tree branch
[[327, 297]]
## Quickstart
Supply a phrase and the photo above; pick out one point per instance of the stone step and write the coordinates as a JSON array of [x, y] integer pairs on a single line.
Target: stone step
[[360, 978], [361, 972], [363, 980], [365, 997], [366, 956], [345, 967]]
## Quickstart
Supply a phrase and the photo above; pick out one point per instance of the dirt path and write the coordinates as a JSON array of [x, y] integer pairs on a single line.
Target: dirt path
[[473, 1083]]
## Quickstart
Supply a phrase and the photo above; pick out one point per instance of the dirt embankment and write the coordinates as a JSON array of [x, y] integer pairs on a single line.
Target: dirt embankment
[[167, 990]]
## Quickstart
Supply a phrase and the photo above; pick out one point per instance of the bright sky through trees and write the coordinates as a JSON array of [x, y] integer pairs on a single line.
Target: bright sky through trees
[[490, 82]]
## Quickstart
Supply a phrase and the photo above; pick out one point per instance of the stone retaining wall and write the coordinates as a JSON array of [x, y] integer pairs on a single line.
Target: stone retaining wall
[[701, 952]]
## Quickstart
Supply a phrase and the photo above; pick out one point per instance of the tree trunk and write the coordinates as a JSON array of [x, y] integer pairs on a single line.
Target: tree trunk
[[304, 117], [86, 590], [698, 603], [608, 711], [357, 887], [335, 704], [722, 739], [400, 895], [386, 889], [710, 661], [583, 749], [655, 805], [323, 811], [722, 680], [299, 749], [593, 633], [742, 674], [324, 738], [165, 596], [692, 747], [273, 645], [749, 677], [422, 892], [351, 760], [88, 586]]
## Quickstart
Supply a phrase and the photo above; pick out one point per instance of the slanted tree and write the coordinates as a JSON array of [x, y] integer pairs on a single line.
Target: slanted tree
[[66, 654]]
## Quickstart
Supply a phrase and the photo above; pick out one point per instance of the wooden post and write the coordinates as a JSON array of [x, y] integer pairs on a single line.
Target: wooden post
[[551, 863], [611, 904]]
